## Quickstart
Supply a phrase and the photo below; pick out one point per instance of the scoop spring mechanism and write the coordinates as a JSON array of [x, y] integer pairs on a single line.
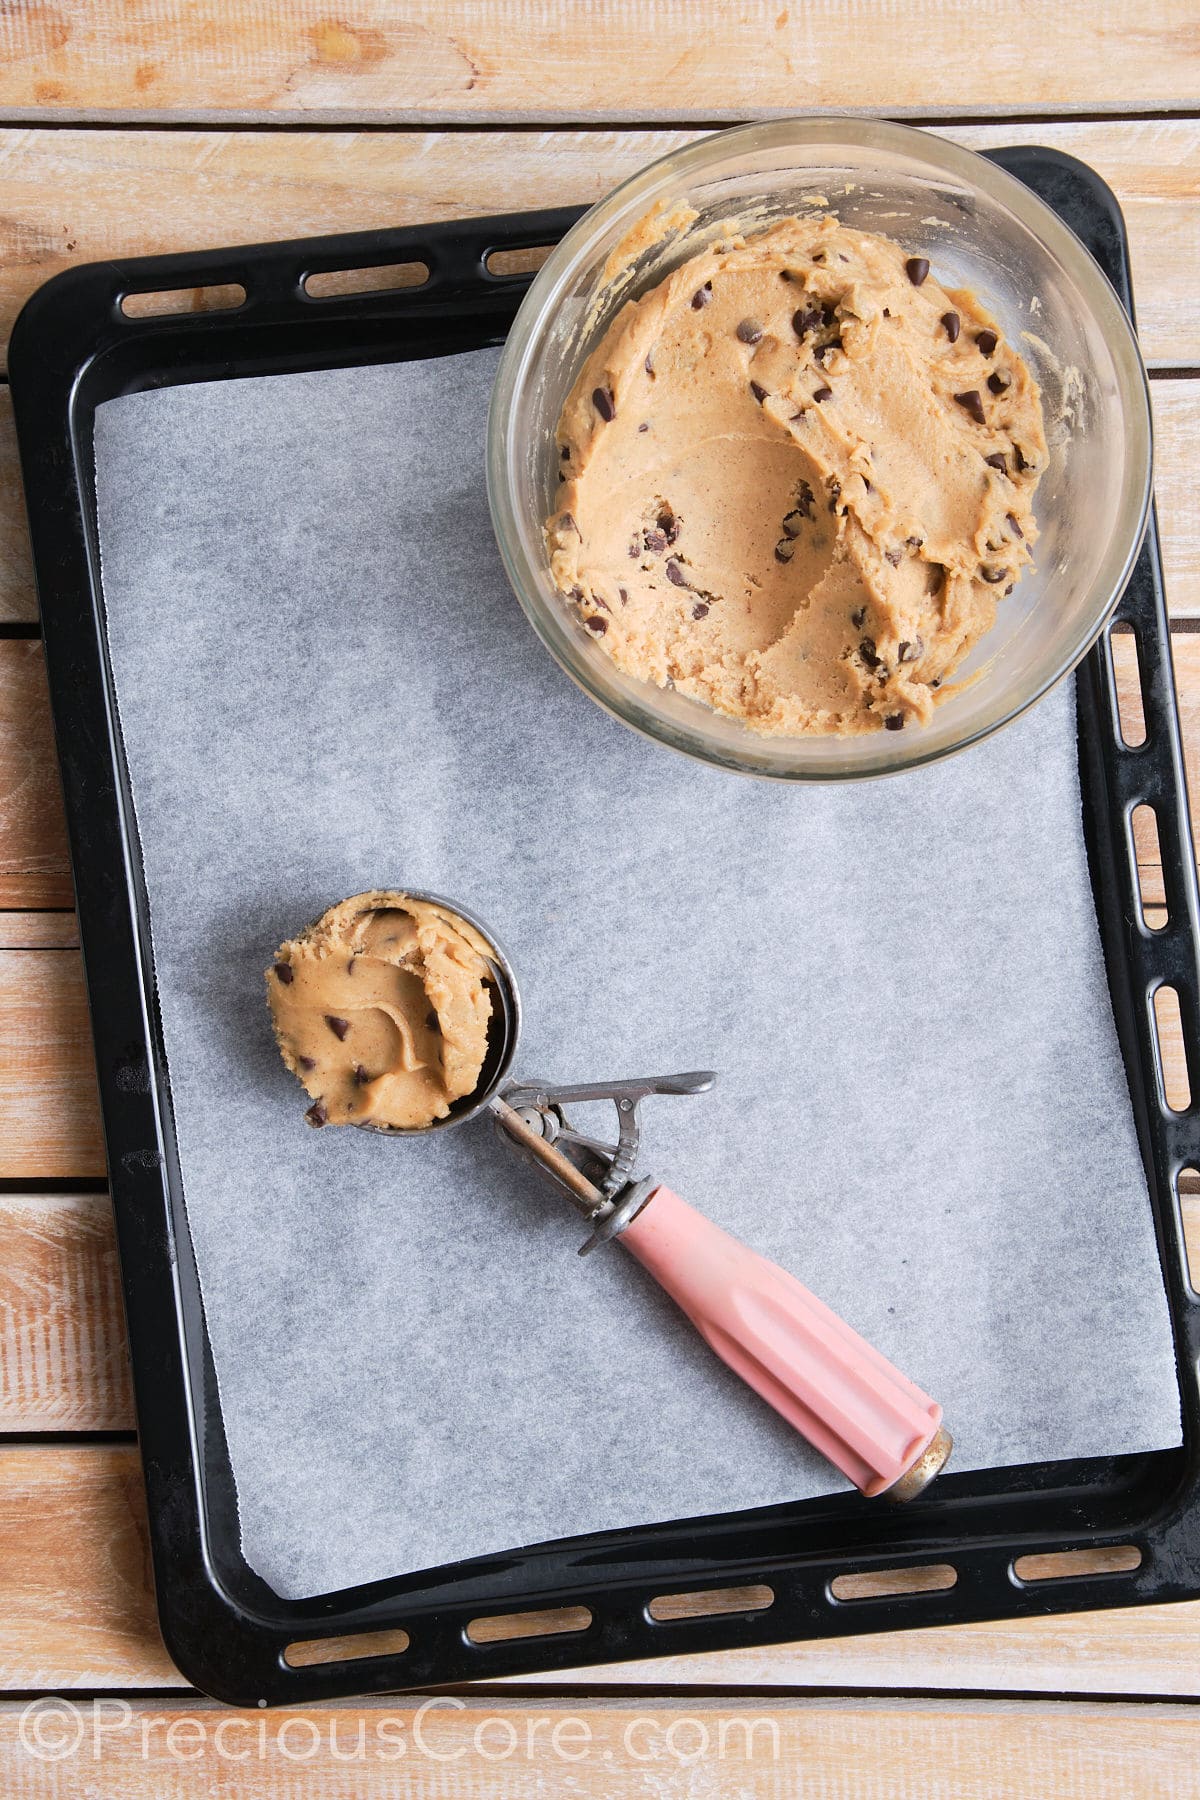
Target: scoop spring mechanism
[[598, 1178]]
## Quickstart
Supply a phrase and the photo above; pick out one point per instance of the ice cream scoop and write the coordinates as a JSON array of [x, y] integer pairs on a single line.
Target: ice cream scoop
[[840, 1393]]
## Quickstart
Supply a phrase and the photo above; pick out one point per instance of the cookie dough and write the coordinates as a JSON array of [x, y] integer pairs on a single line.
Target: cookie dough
[[381, 1009], [796, 478]]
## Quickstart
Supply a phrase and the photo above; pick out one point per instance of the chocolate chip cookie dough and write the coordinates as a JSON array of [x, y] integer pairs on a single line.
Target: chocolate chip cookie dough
[[796, 479], [381, 1009]]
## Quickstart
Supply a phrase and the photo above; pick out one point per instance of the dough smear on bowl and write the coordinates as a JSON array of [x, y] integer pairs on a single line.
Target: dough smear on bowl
[[381, 1009], [796, 480]]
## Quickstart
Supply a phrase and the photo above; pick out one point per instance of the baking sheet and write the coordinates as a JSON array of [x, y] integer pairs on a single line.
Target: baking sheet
[[325, 684]]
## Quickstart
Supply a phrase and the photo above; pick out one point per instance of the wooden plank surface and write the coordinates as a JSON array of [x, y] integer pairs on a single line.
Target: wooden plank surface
[[47, 1073], [34, 868], [63, 1359], [563, 59], [79, 196], [646, 1749]]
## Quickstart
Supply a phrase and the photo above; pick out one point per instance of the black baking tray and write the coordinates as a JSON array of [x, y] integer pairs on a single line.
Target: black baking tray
[[72, 348]]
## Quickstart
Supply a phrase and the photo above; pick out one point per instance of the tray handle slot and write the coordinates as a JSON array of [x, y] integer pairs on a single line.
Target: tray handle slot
[[516, 259], [710, 1603], [221, 296], [1071, 1565], [1173, 1058], [309, 1653], [1128, 689], [502, 1628], [893, 1584], [370, 278]]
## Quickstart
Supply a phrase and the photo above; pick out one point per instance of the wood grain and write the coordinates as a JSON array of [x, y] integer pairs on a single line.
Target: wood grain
[[453, 1749], [79, 196], [560, 59], [34, 869], [76, 1610], [47, 1079], [63, 1359], [17, 598]]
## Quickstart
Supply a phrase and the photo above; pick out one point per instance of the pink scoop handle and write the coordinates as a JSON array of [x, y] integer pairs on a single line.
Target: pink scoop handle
[[825, 1380]]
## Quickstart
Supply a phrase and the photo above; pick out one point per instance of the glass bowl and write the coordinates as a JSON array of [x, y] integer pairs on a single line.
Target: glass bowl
[[981, 229]]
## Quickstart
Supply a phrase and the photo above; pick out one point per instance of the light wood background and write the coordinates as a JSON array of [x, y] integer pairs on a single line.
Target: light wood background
[[134, 126]]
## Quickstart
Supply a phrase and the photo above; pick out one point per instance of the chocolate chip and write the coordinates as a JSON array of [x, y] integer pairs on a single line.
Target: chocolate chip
[[676, 574], [360, 1075], [914, 543], [601, 602], [316, 1114], [702, 296], [951, 322], [307, 1062], [835, 494], [893, 556], [822, 394], [285, 973], [987, 341], [909, 652], [868, 653], [750, 331], [971, 403], [997, 460], [624, 595], [894, 722], [936, 682], [793, 522], [992, 576], [339, 1027], [575, 593], [825, 350], [599, 626], [805, 320], [700, 608], [887, 312], [602, 400], [656, 541], [1022, 465], [785, 549], [917, 268], [999, 382], [648, 365], [858, 618], [644, 427], [669, 525], [1014, 524], [759, 392], [1008, 590]]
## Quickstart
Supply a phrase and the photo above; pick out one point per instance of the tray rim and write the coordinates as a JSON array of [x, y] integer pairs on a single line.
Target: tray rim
[[223, 1625]]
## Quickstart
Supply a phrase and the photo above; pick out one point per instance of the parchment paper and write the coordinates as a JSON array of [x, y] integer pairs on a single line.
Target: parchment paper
[[326, 685]]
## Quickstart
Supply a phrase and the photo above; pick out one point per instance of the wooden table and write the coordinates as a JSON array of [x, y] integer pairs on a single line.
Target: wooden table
[[147, 126]]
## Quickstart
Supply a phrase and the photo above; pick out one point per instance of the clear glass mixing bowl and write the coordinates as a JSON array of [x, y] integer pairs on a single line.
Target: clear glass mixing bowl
[[981, 229]]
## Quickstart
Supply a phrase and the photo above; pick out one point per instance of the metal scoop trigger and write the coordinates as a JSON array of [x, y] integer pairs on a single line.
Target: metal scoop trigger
[[607, 1167]]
